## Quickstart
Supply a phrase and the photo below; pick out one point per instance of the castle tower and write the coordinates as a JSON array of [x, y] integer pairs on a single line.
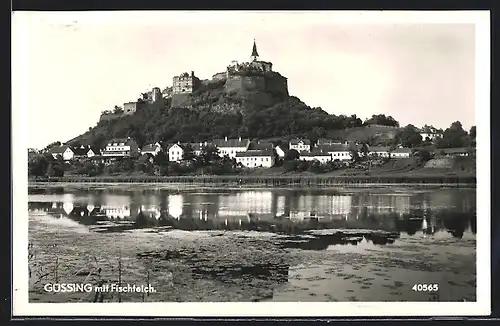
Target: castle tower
[[255, 54]]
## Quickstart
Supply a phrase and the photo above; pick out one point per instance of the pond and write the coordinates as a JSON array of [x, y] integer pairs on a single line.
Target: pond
[[254, 245]]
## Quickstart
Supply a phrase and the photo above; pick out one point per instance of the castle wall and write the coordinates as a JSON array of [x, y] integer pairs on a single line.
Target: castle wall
[[237, 83], [277, 85], [274, 84], [180, 100]]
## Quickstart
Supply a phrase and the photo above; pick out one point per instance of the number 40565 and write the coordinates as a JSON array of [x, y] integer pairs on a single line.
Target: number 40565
[[425, 287]]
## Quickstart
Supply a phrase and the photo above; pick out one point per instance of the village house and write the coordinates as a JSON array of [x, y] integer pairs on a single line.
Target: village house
[[430, 136], [121, 147], [176, 152], [152, 149], [198, 147], [230, 147], [300, 145], [93, 151], [454, 152], [65, 151], [430, 133], [337, 151], [256, 158], [261, 146], [326, 141], [382, 151], [84, 152], [322, 157], [401, 153], [281, 150]]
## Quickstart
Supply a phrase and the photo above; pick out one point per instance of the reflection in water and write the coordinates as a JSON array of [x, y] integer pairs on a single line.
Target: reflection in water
[[288, 212], [175, 205]]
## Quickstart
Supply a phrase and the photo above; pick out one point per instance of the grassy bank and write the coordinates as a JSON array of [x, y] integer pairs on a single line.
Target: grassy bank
[[272, 180]]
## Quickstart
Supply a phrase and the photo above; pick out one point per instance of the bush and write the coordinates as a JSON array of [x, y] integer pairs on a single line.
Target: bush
[[290, 166]]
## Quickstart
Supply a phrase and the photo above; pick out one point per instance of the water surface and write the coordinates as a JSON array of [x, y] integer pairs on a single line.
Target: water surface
[[256, 245]]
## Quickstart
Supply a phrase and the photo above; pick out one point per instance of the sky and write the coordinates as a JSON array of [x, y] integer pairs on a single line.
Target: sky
[[68, 67]]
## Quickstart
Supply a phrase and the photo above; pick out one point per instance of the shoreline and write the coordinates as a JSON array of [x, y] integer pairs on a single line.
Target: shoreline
[[197, 187], [263, 181]]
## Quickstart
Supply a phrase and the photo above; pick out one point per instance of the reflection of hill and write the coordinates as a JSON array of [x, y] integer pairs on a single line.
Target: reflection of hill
[[288, 212]]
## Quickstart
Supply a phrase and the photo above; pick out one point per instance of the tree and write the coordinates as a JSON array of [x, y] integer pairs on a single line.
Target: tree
[[381, 119], [354, 154], [454, 136], [423, 155], [38, 165], [51, 145], [364, 150], [161, 158], [209, 154], [290, 165], [188, 154], [117, 110], [472, 135], [50, 170], [472, 132], [292, 155], [410, 137]]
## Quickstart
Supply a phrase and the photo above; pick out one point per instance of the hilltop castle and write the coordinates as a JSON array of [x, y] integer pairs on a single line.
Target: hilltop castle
[[240, 79]]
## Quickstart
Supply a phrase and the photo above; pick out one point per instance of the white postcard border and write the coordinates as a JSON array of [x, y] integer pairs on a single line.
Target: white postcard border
[[21, 306]]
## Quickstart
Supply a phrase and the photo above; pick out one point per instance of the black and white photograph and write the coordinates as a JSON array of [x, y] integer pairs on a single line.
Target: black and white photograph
[[233, 163]]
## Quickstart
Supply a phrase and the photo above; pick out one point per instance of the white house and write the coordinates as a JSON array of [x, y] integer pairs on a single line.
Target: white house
[[121, 147], [337, 152], [300, 145], [230, 147], [255, 158], [322, 157], [401, 152], [93, 152], [378, 151], [281, 151], [175, 152], [454, 152], [65, 151], [152, 149], [430, 135]]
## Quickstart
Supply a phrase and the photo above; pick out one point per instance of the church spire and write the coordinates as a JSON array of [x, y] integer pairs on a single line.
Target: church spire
[[255, 54]]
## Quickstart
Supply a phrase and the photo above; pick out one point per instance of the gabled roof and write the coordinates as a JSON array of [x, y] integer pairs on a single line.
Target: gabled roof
[[221, 143], [80, 151], [315, 154], [182, 146], [402, 150], [125, 141], [150, 147], [378, 149], [284, 146], [59, 149], [334, 148], [261, 146], [327, 141], [199, 146], [95, 150], [296, 141], [255, 153], [456, 150]]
